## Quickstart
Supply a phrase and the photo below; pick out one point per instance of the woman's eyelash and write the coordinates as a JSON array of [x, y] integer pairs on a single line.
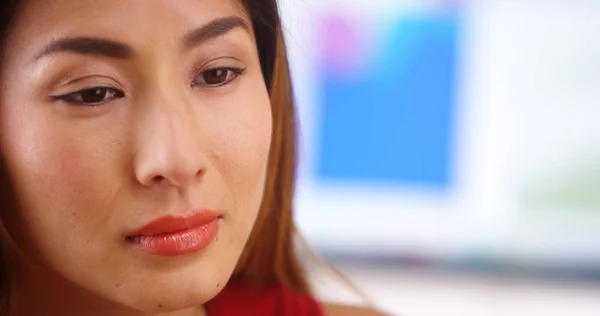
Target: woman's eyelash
[[94, 96], [217, 76]]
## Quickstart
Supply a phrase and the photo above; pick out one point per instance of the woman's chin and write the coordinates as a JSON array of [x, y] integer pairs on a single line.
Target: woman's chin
[[168, 304], [169, 298], [173, 289]]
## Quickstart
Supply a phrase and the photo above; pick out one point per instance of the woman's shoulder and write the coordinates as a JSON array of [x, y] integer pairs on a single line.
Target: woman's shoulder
[[246, 297]]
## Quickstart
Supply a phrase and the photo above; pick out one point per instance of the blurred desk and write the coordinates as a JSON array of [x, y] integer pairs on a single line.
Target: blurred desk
[[419, 292]]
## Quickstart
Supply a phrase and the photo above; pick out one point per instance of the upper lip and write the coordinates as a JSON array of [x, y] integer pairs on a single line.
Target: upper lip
[[171, 224]]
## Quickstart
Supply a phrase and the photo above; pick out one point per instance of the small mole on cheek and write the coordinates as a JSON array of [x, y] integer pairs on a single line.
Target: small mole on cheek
[[218, 284], [118, 285], [160, 306]]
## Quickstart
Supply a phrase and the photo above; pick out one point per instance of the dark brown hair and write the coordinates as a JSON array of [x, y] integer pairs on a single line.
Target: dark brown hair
[[269, 253]]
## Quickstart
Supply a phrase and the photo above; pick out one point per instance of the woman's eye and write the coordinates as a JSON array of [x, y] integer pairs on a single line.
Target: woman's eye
[[217, 77], [93, 96]]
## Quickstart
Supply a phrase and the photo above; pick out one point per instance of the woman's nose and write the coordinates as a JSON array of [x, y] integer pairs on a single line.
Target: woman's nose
[[168, 147]]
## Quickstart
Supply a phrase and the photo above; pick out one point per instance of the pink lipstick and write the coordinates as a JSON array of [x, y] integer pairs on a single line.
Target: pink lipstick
[[175, 236]]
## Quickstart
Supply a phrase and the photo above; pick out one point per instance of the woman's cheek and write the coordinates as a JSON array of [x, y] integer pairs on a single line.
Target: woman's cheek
[[249, 143], [61, 183]]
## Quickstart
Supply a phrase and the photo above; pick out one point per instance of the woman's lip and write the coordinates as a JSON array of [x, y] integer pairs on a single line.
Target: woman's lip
[[177, 243], [172, 224]]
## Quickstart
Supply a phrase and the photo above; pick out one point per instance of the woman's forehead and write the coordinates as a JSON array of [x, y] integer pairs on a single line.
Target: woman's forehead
[[149, 24], [123, 15]]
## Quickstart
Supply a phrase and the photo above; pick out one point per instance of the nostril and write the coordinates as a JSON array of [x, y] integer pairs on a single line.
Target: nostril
[[158, 178], [169, 176]]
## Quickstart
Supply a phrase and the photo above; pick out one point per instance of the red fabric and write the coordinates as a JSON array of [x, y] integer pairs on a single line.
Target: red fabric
[[248, 298]]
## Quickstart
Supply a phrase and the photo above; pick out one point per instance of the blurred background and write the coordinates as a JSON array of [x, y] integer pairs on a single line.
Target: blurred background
[[450, 151]]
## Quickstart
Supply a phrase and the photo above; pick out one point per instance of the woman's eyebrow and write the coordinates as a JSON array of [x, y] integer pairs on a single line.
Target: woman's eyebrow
[[112, 49], [213, 29], [87, 46]]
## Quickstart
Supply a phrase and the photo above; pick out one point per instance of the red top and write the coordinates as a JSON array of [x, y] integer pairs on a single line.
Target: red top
[[261, 299]]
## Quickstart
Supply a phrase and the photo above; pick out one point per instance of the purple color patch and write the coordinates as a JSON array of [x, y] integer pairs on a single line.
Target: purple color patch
[[340, 41]]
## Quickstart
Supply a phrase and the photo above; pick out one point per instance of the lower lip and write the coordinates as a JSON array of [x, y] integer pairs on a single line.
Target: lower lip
[[178, 243]]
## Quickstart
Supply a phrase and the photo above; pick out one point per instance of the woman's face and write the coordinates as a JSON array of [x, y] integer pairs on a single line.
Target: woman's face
[[118, 114]]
